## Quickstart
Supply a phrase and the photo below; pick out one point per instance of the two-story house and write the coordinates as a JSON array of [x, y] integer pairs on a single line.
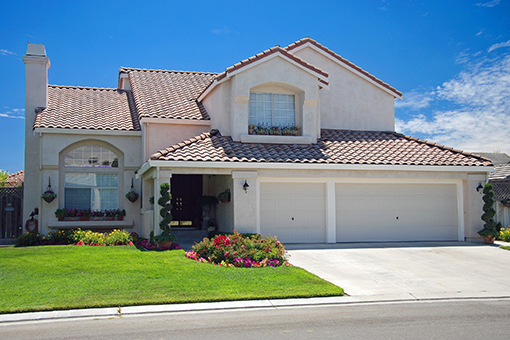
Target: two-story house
[[323, 163]]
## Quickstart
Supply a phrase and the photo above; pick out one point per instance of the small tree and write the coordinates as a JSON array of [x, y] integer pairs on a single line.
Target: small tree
[[489, 228], [3, 178]]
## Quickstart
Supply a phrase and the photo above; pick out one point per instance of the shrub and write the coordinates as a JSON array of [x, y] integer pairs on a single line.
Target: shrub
[[504, 234], [114, 238], [28, 239], [240, 250]]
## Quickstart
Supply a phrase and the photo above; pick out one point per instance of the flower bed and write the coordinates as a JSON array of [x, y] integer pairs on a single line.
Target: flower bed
[[504, 234], [240, 250], [77, 237], [145, 244]]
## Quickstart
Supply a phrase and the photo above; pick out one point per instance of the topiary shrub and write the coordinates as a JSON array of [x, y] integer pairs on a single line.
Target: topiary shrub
[[166, 213], [489, 228]]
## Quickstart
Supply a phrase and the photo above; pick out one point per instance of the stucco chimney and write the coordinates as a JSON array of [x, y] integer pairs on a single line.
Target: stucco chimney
[[36, 96]]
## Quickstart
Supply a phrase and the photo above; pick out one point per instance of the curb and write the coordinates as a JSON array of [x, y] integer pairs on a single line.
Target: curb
[[229, 305]]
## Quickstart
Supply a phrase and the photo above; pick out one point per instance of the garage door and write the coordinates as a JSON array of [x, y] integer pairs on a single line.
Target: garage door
[[396, 212], [294, 212]]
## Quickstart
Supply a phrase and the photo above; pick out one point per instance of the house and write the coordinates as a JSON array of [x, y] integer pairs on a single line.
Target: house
[[500, 180], [346, 176]]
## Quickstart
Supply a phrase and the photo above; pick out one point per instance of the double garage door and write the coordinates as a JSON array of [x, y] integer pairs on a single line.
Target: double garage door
[[295, 212]]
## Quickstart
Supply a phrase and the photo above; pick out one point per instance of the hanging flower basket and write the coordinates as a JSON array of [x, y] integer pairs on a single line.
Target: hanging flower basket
[[132, 195], [49, 195]]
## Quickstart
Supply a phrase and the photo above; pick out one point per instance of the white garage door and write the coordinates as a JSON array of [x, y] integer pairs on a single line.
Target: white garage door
[[294, 212], [396, 212]]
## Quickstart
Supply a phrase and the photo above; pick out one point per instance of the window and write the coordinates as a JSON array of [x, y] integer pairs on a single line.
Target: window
[[271, 109], [91, 178]]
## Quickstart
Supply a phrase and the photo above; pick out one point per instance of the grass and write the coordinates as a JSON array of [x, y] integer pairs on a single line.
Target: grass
[[505, 247], [67, 277]]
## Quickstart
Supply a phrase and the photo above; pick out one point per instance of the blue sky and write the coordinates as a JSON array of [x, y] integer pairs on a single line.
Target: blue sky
[[451, 59]]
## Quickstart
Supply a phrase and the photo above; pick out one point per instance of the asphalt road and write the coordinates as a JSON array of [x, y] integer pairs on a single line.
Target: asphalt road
[[460, 319]]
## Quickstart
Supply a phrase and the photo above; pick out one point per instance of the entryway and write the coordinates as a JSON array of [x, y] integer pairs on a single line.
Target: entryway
[[186, 191]]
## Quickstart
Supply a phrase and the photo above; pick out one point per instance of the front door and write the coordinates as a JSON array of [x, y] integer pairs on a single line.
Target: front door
[[186, 191]]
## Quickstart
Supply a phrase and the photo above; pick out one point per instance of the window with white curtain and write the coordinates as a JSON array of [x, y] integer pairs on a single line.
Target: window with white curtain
[[272, 109], [91, 179]]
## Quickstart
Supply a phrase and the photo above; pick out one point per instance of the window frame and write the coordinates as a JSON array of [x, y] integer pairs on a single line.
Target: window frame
[[273, 122], [63, 170]]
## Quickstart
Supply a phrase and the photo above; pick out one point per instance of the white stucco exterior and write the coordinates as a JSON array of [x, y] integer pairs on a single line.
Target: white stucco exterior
[[281, 198]]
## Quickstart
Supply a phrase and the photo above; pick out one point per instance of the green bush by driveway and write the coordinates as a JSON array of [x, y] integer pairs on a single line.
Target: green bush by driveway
[[65, 277]]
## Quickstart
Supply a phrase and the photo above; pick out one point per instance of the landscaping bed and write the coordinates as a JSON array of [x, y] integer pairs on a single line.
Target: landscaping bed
[[70, 276]]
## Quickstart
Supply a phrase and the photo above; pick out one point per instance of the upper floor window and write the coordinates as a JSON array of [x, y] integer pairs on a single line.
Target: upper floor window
[[272, 109]]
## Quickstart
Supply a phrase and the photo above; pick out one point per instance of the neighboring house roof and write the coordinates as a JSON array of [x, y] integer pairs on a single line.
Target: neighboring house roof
[[168, 94], [16, 179], [343, 61], [501, 190], [334, 147], [322, 75], [497, 158], [501, 174], [88, 108]]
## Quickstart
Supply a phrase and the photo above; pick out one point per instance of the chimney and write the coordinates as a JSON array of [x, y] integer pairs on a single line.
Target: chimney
[[36, 96]]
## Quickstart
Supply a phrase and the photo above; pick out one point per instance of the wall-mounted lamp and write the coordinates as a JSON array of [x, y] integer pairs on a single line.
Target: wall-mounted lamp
[[479, 187], [246, 186]]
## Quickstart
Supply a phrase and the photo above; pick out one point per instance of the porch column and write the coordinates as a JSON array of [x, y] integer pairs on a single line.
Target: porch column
[[330, 212], [246, 202]]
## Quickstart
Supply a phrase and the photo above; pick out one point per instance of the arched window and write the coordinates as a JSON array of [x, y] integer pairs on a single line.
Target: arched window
[[91, 178]]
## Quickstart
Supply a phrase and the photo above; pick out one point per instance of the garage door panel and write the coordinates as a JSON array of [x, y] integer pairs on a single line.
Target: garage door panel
[[296, 213], [396, 212]]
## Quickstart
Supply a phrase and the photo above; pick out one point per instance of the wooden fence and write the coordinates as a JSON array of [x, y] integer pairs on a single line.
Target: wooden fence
[[11, 212]]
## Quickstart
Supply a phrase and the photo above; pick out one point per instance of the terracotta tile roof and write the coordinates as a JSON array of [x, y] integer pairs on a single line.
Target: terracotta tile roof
[[88, 108], [343, 61], [265, 54], [168, 94], [334, 147], [16, 178]]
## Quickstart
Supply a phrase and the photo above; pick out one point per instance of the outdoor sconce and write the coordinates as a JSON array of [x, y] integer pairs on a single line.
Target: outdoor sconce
[[246, 186], [479, 187]]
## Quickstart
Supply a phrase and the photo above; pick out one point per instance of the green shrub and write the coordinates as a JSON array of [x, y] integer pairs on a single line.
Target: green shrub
[[114, 238], [29, 239]]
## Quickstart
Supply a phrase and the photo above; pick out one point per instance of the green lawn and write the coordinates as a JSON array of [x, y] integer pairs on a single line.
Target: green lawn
[[505, 247], [65, 277]]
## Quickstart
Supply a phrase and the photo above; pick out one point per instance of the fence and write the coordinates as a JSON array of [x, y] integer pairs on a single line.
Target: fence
[[11, 212]]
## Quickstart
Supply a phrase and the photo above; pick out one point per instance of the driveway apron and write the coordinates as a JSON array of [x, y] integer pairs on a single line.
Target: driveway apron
[[420, 270]]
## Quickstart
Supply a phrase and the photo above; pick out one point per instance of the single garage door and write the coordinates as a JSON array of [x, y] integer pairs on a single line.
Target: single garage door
[[294, 212], [396, 212]]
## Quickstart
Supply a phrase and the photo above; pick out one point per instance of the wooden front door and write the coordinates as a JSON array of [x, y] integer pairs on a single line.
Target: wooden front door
[[186, 191]]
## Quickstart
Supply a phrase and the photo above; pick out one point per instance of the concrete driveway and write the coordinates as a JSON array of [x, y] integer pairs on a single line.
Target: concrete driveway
[[416, 270]]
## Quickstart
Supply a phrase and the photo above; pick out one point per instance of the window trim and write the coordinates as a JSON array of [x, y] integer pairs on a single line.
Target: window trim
[[272, 93]]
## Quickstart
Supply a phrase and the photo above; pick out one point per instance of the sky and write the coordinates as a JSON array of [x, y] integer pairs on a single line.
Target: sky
[[451, 59]]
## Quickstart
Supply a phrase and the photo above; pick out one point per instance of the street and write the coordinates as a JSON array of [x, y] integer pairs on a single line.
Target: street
[[454, 319]]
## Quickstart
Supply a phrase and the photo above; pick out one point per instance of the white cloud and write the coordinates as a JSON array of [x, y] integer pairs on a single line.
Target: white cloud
[[489, 4], [220, 31], [13, 113], [503, 44], [6, 52], [416, 100], [478, 117]]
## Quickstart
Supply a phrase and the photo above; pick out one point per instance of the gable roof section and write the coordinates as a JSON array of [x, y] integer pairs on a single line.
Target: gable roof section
[[15, 179], [262, 57], [344, 62], [497, 158], [168, 94], [88, 108], [334, 147]]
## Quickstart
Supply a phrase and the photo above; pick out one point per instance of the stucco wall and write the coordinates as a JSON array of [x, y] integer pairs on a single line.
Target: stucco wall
[[159, 136], [352, 102], [54, 146]]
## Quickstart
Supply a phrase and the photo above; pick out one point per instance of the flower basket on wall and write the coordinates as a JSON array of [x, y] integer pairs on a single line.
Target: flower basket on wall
[[224, 197]]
